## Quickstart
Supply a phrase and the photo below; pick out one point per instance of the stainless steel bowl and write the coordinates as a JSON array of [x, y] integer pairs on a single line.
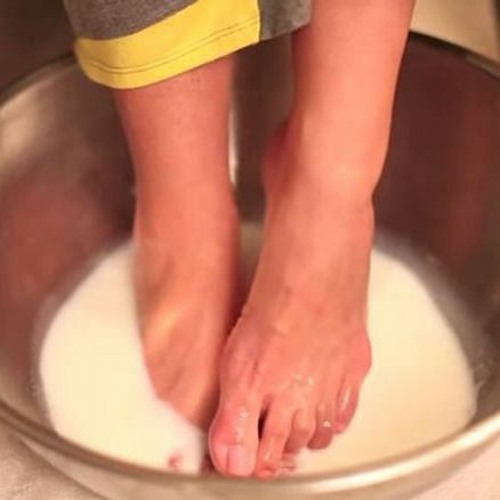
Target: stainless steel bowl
[[66, 194]]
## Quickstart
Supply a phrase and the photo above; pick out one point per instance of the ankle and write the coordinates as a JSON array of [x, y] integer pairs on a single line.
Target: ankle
[[344, 175]]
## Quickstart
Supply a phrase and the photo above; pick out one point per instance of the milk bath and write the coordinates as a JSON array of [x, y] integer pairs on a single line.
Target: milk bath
[[97, 391]]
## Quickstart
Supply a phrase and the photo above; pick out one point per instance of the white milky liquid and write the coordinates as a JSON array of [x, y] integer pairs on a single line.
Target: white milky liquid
[[98, 394]]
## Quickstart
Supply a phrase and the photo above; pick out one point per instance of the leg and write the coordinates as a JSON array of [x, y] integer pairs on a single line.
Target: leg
[[185, 231], [299, 353]]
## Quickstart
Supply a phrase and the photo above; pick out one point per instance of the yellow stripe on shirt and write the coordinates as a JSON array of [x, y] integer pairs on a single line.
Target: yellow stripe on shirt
[[198, 34]]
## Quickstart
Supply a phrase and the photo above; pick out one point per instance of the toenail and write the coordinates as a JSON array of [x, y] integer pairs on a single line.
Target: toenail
[[174, 462], [267, 473], [268, 459], [268, 456], [241, 421], [238, 461], [288, 463], [345, 399], [340, 427]]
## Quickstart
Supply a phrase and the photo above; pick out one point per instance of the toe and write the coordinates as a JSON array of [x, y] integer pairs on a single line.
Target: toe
[[233, 438], [275, 434], [207, 467], [347, 404], [325, 420], [303, 428], [348, 396], [288, 465]]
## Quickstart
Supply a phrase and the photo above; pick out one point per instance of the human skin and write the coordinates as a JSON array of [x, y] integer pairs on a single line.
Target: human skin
[[293, 363]]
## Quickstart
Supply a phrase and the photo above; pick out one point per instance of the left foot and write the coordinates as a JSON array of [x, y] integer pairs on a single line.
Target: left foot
[[295, 361]]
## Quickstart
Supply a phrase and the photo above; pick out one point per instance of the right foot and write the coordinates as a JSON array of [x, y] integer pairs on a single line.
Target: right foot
[[186, 288], [186, 231]]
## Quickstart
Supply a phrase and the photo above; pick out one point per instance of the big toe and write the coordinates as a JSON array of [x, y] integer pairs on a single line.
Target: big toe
[[348, 396], [234, 438]]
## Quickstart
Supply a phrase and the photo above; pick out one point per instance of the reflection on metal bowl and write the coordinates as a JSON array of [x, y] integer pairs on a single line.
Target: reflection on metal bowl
[[66, 195]]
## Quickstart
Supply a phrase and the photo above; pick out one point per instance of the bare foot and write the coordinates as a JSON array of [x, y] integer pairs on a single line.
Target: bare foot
[[186, 232], [186, 287], [295, 362]]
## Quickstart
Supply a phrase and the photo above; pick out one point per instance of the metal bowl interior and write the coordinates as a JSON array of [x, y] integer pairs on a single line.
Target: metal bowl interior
[[66, 196]]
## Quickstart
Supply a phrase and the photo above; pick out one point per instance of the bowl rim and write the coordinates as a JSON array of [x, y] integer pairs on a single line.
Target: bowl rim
[[474, 438]]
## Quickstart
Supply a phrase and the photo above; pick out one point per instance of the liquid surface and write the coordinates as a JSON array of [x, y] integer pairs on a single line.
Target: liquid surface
[[98, 394]]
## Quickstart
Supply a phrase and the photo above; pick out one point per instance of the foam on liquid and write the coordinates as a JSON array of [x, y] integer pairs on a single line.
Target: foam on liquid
[[98, 394]]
